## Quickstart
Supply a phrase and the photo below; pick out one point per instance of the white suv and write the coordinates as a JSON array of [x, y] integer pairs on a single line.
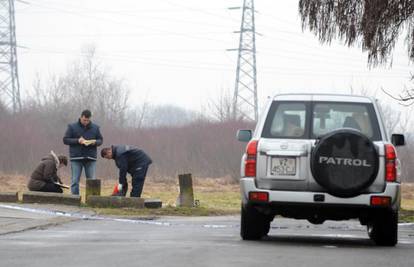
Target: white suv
[[321, 157]]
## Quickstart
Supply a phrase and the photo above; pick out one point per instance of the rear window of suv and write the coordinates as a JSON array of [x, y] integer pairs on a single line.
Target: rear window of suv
[[291, 119]]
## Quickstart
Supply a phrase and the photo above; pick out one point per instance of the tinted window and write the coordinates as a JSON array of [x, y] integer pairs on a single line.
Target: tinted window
[[290, 120], [331, 116], [286, 120]]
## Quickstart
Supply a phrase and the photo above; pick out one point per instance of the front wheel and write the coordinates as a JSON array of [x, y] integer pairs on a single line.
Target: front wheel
[[383, 229], [254, 225]]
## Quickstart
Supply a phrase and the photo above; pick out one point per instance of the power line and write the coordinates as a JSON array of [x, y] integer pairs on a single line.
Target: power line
[[65, 3], [81, 11], [162, 62], [76, 13], [187, 64], [201, 35], [202, 11]]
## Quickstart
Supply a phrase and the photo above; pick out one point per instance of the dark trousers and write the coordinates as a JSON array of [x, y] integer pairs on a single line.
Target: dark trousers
[[138, 179], [51, 187]]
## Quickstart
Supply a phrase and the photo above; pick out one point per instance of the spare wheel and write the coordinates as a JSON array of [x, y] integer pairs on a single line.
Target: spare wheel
[[344, 162]]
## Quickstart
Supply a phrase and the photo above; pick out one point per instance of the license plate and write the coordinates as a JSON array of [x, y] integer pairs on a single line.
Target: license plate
[[283, 166]]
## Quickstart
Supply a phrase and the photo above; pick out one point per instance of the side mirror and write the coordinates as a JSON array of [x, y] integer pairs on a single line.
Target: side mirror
[[244, 135], [398, 139]]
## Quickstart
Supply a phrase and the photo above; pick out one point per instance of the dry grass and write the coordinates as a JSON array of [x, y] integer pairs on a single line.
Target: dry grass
[[407, 191], [13, 183], [216, 196]]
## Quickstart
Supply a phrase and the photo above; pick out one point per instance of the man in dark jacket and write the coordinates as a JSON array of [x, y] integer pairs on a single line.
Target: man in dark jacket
[[82, 137], [132, 160], [45, 178]]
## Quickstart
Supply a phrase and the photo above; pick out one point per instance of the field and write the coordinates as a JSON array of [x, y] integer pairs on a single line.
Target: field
[[215, 196]]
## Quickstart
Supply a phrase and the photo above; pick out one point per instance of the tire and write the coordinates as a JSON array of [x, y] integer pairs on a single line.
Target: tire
[[383, 230], [344, 162], [254, 225]]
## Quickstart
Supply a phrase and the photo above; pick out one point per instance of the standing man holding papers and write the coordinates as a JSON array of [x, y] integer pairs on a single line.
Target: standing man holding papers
[[83, 137]]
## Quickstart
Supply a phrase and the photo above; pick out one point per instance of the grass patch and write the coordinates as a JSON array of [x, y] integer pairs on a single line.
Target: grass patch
[[165, 211], [210, 204], [407, 210], [406, 216], [215, 198], [407, 204], [227, 201]]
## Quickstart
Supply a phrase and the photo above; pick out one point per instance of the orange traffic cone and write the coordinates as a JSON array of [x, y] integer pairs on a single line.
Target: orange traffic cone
[[117, 189]]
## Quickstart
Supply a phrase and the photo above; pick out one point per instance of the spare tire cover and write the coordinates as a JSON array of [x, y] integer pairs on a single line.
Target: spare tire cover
[[344, 162]]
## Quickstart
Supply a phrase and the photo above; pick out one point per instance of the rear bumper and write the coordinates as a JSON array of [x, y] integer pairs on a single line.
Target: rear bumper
[[306, 198]]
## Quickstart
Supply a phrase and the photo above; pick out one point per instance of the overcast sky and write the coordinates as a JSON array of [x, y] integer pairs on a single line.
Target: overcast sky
[[174, 51]]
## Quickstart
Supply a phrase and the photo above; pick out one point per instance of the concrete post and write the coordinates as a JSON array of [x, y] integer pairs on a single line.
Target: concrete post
[[186, 198], [93, 188]]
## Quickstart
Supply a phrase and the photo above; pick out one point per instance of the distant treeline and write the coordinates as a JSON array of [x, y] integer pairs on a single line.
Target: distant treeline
[[204, 148]]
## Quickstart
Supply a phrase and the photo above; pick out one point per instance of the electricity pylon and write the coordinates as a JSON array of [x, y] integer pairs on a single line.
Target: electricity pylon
[[9, 77], [245, 92]]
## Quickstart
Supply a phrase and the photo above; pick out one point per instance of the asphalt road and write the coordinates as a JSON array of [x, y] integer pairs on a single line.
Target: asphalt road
[[213, 241]]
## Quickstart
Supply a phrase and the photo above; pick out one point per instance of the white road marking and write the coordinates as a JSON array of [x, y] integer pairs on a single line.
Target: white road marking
[[327, 235], [81, 216], [94, 217], [405, 242], [161, 223], [406, 224], [216, 226]]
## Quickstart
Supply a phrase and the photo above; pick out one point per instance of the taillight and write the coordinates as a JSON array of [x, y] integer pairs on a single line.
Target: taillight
[[251, 156], [259, 196], [390, 163], [380, 201]]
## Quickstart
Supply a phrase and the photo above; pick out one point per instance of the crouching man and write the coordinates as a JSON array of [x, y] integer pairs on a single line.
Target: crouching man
[[132, 160], [44, 178]]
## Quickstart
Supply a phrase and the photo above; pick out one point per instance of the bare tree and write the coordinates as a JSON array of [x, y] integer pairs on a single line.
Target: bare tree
[[221, 107], [86, 84], [138, 115], [360, 91], [405, 123], [374, 25], [168, 115], [391, 117]]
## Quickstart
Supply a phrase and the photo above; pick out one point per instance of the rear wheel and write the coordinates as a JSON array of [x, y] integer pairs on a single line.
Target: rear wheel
[[254, 224], [383, 230]]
